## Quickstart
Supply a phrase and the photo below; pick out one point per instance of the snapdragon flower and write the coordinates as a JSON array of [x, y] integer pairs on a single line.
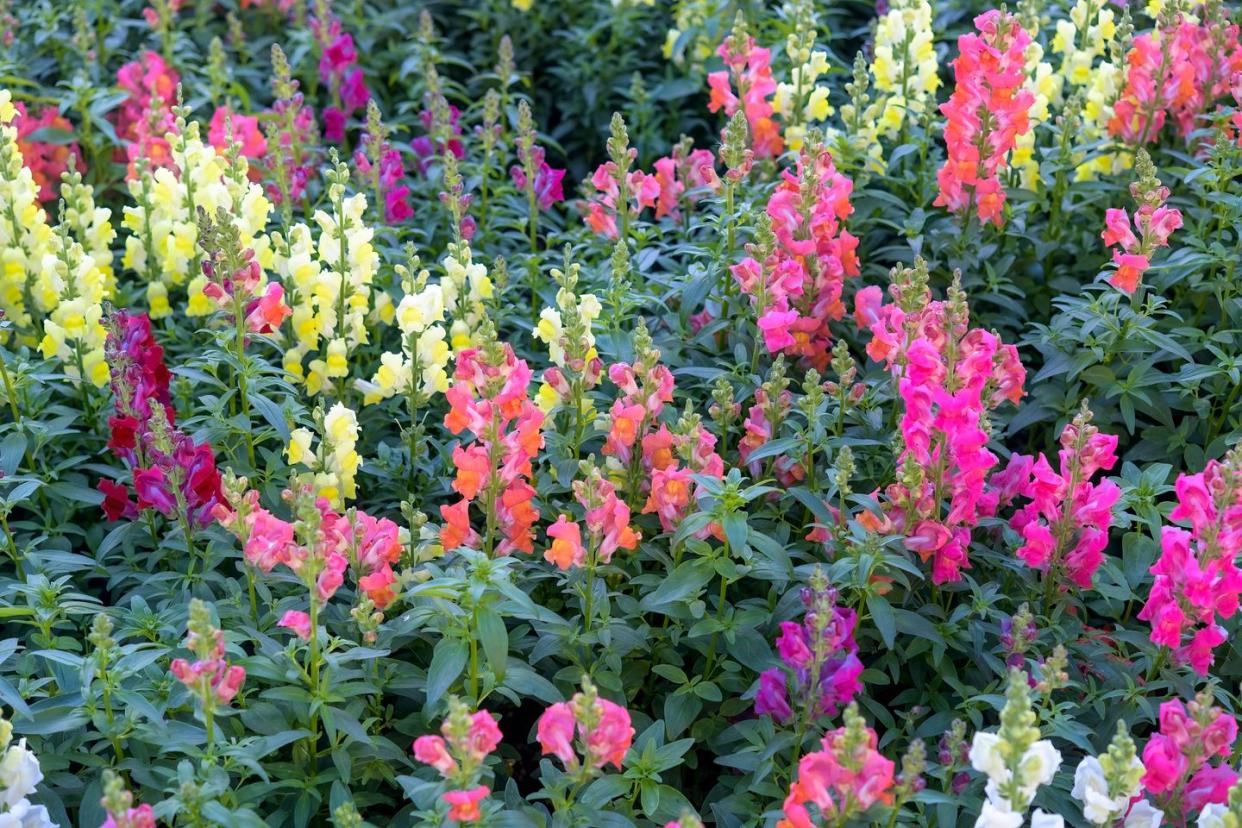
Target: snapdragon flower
[[489, 398], [1154, 220], [949, 376], [795, 281], [20, 775], [987, 112], [1177, 761], [586, 733], [904, 69], [418, 370], [1175, 73], [48, 162], [458, 754], [329, 286], [118, 802], [26, 239], [1065, 526], [163, 223], [1015, 760], [843, 780], [1106, 785], [1197, 577], [748, 70], [333, 463], [821, 669]]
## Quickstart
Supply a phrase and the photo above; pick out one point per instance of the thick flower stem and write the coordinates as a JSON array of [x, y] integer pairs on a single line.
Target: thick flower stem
[[312, 674], [720, 605]]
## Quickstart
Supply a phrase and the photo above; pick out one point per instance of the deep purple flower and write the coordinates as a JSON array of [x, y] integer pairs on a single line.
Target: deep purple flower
[[840, 683], [153, 491], [333, 125], [771, 699], [548, 180], [792, 646]]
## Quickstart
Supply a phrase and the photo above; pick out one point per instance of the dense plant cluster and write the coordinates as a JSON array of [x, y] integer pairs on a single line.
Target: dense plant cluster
[[549, 413]]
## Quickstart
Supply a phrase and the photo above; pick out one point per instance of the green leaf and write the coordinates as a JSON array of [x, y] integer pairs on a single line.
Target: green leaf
[[12, 450], [885, 622], [495, 640], [685, 582], [447, 663]]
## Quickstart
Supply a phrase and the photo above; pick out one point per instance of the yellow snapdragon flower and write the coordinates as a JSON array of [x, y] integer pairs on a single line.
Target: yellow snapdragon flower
[[466, 287], [329, 286], [420, 369], [904, 71], [332, 464], [73, 330], [162, 245], [1088, 35], [26, 239]]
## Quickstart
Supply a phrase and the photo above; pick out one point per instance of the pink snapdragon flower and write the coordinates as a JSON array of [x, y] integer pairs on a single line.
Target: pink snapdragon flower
[[1197, 577], [141, 816], [797, 290], [209, 677], [1177, 761], [748, 70], [490, 398], [1065, 526], [607, 516], [230, 127], [984, 117], [382, 168], [603, 729], [338, 58], [1178, 72], [145, 116], [949, 376], [547, 183], [658, 462], [464, 805], [1154, 221], [442, 122], [298, 622], [458, 754], [843, 779], [46, 161]]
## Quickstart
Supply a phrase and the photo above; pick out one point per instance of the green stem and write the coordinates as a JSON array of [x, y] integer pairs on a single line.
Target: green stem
[[312, 674], [254, 604], [589, 598], [239, 346], [208, 721], [9, 391], [720, 605], [730, 241], [473, 656], [14, 553]]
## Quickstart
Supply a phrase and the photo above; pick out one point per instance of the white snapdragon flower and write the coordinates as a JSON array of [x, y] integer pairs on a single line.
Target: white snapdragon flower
[[1040, 819], [985, 756], [1039, 764], [1091, 789], [26, 815], [1143, 815], [19, 774], [998, 816], [1212, 816]]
